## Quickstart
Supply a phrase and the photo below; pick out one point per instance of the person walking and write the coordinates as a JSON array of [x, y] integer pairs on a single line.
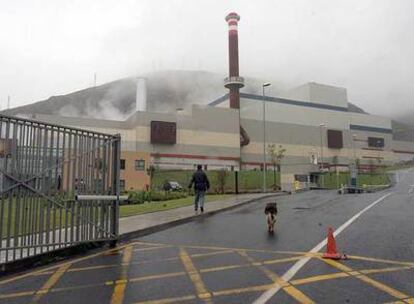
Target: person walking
[[201, 185]]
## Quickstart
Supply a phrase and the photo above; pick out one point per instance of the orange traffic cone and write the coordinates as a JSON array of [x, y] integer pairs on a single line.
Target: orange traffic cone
[[331, 252]]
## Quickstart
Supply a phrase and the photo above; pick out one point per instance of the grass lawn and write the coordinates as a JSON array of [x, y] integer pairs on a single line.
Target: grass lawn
[[248, 179], [128, 210], [333, 181]]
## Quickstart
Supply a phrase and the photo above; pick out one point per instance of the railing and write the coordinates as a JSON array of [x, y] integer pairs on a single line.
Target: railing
[[43, 167], [234, 81]]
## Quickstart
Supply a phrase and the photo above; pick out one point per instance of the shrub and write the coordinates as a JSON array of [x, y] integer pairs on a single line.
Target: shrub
[[139, 197]]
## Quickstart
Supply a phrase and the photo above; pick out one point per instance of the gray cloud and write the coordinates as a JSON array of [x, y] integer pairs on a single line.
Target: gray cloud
[[55, 47]]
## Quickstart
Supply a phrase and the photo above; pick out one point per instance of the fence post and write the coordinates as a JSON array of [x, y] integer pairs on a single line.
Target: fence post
[[116, 150], [236, 181]]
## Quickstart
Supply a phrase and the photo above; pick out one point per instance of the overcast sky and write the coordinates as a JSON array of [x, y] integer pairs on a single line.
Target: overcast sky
[[50, 47]]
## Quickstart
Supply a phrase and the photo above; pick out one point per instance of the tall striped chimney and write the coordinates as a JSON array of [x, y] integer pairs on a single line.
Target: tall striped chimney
[[234, 82]]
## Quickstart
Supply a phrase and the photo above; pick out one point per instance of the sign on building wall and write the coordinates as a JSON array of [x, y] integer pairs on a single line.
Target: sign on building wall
[[163, 132], [376, 142], [335, 140]]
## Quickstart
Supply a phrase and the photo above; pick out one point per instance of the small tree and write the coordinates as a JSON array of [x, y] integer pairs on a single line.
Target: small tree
[[151, 173], [276, 156], [221, 179]]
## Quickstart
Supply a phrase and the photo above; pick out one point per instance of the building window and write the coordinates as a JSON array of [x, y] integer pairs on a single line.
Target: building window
[[140, 165], [375, 142], [121, 185], [335, 140], [122, 164]]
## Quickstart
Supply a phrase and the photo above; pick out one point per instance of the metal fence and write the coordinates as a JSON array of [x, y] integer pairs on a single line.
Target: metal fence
[[43, 167]]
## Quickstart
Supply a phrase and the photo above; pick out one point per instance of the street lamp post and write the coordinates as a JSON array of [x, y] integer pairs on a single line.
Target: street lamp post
[[264, 135], [353, 147], [321, 126], [353, 173]]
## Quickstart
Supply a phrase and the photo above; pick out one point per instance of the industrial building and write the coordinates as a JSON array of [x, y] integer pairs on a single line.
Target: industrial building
[[312, 122], [314, 126]]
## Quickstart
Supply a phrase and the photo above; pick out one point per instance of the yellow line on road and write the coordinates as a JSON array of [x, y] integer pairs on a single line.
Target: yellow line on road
[[232, 249], [355, 257], [169, 300], [157, 276], [196, 255], [227, 292], [54, 278], [97, 267], [40, 271], [152, 248], [250, 264], [385, 288], [288, 288], [17, 294], [389, 269], [319, 278], [339, 275], [195, 277], [391, 291], [120, 286], [282, 260]]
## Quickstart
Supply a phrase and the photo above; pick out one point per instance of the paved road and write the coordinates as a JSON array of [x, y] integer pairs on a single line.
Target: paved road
[[230, 258]]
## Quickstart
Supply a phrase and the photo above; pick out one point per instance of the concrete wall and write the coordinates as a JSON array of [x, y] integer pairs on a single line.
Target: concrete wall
[[319, 93], [403, 150]]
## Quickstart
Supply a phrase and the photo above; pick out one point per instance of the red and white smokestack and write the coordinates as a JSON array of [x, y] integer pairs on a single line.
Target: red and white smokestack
[[234, 82]]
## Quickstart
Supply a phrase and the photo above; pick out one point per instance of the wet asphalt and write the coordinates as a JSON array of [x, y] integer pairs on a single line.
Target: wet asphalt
[[231, 258]]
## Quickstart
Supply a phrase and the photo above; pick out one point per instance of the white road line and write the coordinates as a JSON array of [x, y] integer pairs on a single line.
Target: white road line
[[411, 189], [266, 296]]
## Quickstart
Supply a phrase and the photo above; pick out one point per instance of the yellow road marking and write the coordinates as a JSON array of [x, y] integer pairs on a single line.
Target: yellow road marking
[[230, 291], [227, 292], [168, 300], [288, 288], [83, 286], [157, 276], [96, 267], [197, 255], [355, 257], [319, 278], [234, 249], [17, 294], [152, 248], [194, 275], [410, 301], [391, 291], [54, 278], [222, 268], [36, 272], [282, 260], [339, 275], [250, 264], [120, 286], [385, 288], [389, 269]]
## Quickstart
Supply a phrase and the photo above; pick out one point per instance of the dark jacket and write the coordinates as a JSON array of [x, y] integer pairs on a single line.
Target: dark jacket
[[200, 181]]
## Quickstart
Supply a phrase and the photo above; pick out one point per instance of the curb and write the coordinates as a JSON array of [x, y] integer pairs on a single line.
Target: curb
[[164, 226]]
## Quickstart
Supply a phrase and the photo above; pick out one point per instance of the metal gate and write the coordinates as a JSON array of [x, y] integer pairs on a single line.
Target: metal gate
[[43, 169]]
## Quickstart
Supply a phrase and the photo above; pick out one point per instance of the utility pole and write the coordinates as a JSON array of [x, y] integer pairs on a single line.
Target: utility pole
[[94, 80], [8, 102], [321, 126], [264, 135]]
